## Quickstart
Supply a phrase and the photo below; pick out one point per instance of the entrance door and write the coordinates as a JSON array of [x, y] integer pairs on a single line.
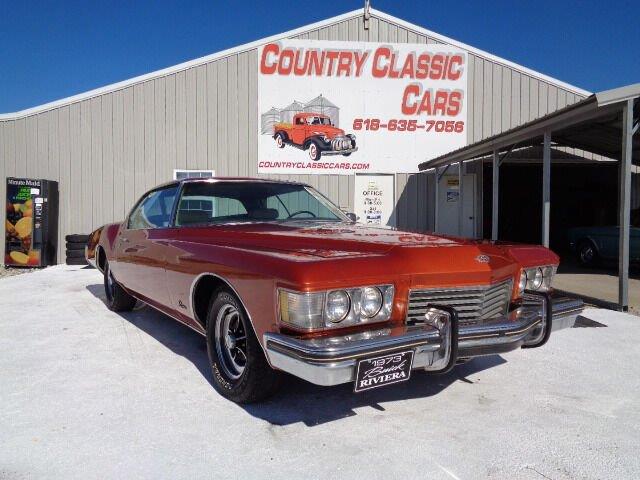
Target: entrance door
[[449, 202]]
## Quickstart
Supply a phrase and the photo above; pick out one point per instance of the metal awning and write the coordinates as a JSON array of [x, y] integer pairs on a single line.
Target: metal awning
[[603, 124], [593, 124]]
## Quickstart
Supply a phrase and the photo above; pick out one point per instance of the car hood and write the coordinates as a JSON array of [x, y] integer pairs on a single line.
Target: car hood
[[321, 239], [329, 131]]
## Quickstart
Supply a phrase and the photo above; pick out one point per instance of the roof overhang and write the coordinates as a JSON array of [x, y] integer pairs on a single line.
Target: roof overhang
[[593, 124], [376, 14]]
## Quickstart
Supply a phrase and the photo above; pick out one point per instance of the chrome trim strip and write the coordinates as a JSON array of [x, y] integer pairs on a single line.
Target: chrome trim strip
[[323, 350]]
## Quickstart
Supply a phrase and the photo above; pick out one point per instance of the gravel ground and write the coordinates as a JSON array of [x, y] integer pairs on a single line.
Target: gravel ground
[[10, 272], [88, 393]]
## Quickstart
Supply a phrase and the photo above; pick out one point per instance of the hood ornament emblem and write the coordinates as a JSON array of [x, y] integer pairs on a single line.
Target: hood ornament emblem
[[483, 258]]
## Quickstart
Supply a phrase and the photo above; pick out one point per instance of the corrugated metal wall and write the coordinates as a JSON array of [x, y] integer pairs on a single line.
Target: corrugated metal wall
[[108, 150]]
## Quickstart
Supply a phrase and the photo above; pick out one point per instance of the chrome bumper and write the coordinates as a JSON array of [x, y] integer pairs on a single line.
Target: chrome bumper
[[339, 152], [333, 360]]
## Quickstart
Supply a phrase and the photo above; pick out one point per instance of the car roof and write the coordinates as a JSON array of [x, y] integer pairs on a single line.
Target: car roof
[[227, 179], [311, 114]]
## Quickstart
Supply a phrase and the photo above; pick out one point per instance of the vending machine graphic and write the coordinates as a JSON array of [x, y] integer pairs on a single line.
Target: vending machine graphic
[[31, 222]]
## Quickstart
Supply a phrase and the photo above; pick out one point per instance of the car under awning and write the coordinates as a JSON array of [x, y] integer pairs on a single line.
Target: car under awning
[[604, 124]]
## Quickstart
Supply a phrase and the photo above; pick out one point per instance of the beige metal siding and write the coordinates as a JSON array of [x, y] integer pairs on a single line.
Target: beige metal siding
[[108, 150]]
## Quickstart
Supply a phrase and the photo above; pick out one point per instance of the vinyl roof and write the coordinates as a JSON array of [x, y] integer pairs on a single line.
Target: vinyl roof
[[593, 124]]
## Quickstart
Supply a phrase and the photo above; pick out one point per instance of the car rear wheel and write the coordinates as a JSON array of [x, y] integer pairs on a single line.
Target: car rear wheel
[[587, 254], [314, 151], [240, 370], [118, 299], [280, 140]]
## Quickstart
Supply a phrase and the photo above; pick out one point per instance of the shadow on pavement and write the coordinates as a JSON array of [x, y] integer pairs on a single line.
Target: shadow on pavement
[[298, 400]]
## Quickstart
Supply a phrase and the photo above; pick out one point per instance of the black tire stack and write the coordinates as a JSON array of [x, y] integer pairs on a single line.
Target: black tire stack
[[75, 249]]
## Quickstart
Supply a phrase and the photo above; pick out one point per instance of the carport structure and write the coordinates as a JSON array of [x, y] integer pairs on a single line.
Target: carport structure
[[603, 124]]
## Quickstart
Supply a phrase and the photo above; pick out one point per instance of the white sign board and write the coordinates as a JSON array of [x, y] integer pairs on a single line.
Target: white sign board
[[357, 107], [374, 199]]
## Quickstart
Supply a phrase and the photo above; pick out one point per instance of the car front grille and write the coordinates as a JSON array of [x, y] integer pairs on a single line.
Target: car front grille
[[473, 304], [341, 143]]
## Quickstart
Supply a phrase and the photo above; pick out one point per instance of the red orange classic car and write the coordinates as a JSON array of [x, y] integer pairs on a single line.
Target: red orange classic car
[[279, 279], [314, 132]]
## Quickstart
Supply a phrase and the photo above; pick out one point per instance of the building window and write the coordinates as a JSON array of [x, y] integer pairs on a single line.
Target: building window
[[182, 174]]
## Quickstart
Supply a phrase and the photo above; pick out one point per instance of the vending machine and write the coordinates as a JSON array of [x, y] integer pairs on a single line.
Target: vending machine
[[31, 223]]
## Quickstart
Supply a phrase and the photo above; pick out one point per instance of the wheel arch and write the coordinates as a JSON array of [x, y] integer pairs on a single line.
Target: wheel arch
[[202, 290], [101, 258]]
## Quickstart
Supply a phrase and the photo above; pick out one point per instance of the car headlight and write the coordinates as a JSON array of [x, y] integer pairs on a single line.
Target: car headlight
[[336, 308], [370, 301], [338, 305], [536, 278]]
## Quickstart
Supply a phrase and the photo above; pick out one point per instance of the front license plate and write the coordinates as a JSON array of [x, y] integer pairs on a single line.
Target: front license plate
[[385, 370]]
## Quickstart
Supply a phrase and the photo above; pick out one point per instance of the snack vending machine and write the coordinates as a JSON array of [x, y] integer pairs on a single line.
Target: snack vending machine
[[31, 223]]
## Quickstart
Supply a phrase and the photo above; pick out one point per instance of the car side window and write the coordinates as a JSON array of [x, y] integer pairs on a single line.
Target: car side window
[[200, 204], [154, 211]]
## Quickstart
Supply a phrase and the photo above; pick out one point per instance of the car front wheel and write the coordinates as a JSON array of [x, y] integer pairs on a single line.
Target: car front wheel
[[314, 151], [587, 254], [280, 140], [240, 370]]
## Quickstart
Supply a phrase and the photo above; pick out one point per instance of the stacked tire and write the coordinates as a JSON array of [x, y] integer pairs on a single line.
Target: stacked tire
[[75, 249]]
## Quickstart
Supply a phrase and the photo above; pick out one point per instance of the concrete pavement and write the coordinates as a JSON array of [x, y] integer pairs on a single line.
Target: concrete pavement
[[87, 393]]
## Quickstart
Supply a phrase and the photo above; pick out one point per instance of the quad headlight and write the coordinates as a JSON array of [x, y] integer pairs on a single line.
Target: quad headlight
[[536, 278], [336, 308]]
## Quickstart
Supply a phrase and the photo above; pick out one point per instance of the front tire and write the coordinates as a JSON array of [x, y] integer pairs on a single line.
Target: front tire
[[118, 300], [240, 370], [314, 151], [587, 253], [280, 140]]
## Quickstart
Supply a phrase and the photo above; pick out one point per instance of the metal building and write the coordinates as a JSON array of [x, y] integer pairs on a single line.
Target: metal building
[[108, 146]]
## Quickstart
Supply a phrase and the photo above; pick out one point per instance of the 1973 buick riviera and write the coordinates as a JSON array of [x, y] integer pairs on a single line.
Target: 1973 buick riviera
[[278, 279]]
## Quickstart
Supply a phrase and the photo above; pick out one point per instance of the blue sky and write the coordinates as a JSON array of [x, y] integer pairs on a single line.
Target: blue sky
[[52, 50]]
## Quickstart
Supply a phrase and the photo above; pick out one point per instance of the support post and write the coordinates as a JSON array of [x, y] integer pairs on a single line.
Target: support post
[[546, 187], [624, 205], [495, 206], [437, 190], [460, 209]]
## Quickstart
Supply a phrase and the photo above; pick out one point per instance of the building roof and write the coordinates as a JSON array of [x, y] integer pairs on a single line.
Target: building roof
[[593, 124], [291, 33]]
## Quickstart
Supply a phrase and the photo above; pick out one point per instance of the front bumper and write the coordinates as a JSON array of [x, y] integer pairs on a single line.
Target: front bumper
[[333, 360], [339, 152]]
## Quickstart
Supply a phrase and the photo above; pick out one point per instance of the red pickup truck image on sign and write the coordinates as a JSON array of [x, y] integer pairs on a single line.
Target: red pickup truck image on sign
[[316, 133]]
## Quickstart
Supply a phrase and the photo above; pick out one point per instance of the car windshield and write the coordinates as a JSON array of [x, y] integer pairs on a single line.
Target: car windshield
[[205, 203], [320, 121]]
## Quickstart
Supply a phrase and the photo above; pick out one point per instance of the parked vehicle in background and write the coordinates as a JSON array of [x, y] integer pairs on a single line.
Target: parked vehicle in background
[[314, 132], [278, 279], [597, 244]]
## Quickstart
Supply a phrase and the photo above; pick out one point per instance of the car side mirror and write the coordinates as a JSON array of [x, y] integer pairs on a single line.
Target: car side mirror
[[352, 216]]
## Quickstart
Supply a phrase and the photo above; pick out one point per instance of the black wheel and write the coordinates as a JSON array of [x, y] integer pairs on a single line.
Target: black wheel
[[346, 154], [76, 261], [587, 253], [117, 299], [314, 151], [280, 138], [240, 370], [76, 238], [75, 246], [75, 253]]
